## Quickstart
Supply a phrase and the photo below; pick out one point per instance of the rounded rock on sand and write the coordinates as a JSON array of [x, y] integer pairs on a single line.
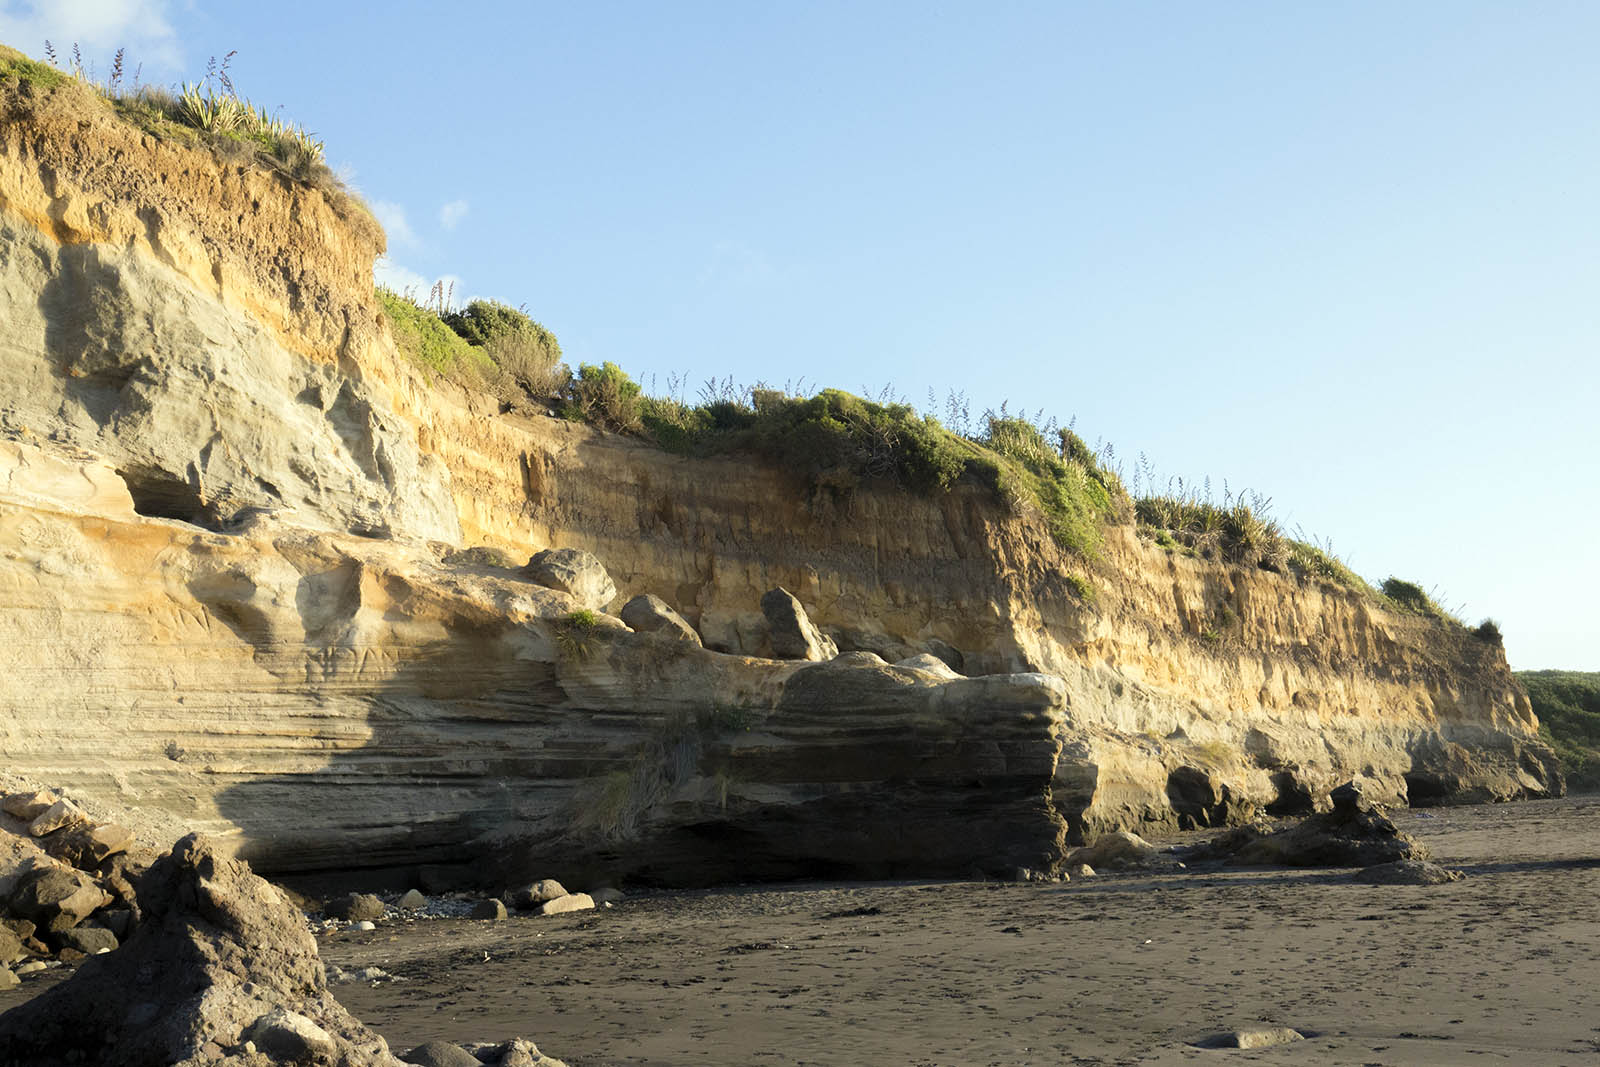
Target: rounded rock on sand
[[441, 1054], [491, 909]]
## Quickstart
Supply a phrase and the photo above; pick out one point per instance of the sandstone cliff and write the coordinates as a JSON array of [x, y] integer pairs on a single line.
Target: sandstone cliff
[[227, 522]]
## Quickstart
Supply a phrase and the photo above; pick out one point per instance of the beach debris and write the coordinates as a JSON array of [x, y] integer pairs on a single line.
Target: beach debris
[[31, 805], [412, 900], [289, 1036], [61, 814], [442, 1054]]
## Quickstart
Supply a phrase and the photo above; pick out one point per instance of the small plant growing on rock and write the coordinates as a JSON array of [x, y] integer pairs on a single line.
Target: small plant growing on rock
[[575, 634]]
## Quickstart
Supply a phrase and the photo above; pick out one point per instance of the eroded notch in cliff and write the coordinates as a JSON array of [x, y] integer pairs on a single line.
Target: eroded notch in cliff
[[160, 494]]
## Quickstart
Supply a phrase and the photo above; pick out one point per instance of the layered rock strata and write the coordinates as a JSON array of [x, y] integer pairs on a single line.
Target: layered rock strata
[[231, 567]]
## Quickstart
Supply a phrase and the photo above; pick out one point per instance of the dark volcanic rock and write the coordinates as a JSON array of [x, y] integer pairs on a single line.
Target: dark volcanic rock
[[88, 846], [1356, 833], [87, 939], [221, 956], [56, 898], [493, 910], [355, 907]]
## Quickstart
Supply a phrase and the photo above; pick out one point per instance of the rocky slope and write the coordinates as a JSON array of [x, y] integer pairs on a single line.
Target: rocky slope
[[229, 531]]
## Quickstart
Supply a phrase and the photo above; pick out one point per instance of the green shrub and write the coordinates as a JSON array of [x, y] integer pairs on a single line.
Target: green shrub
[[604, 396], [422, 338], [1409, 596], [526, 357], [1568, 706], [1489, 631]]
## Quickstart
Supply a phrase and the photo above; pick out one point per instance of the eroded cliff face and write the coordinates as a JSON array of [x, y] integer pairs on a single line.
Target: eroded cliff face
[[227, 515]]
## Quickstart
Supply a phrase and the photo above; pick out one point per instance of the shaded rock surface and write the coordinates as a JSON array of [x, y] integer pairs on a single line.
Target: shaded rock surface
[[793, 635], [1356, 833], [531, 896], [648, 614], [355, 907], [221, 959]]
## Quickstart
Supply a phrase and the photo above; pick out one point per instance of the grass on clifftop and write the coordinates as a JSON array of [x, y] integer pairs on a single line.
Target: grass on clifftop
[[1568, 706], [837, 442], [208, 112]]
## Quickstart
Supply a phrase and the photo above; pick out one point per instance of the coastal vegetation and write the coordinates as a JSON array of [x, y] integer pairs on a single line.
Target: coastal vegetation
[[208, 112], [1568, 706], [837, 442]]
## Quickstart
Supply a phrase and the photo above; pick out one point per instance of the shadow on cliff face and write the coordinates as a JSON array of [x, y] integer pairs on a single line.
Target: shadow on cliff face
[[440, 733], [404, 726]]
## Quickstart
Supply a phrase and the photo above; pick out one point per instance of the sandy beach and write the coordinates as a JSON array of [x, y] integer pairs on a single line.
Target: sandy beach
[[1119, 969]]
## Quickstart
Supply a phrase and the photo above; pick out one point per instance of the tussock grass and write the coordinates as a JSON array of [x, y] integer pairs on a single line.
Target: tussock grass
[[1239, 530]]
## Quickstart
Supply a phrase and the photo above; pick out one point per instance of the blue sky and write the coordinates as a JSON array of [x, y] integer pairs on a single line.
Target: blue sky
[[1341, 254]]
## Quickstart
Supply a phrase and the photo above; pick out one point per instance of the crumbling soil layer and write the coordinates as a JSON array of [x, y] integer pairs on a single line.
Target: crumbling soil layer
[[1121, 968]]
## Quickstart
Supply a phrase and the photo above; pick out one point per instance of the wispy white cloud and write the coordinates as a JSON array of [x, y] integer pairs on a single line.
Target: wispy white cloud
[[393, 219], [452, 213], [98, 28]]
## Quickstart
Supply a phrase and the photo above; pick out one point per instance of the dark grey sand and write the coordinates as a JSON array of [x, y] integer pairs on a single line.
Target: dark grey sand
[[1121, 969]]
